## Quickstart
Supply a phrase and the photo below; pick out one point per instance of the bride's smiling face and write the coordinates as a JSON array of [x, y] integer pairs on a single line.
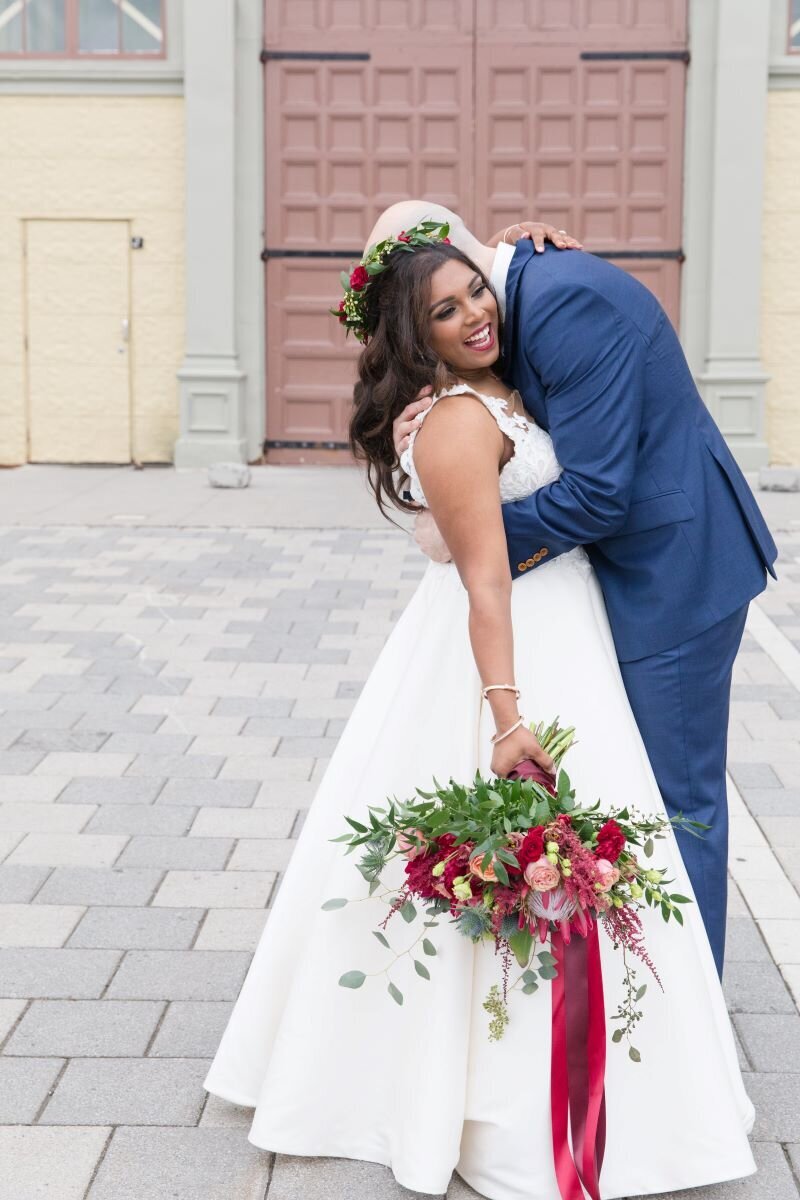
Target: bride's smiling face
[[463, 321]]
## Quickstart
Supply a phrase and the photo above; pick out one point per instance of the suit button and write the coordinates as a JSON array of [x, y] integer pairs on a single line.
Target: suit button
[[530, 562], [544, 551], [522, 566], [537, 558]]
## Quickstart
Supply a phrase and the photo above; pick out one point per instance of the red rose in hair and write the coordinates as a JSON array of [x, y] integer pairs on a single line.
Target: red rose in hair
[[610, 841], [359, 279], [403, 237], [445, 241], [342, 313]]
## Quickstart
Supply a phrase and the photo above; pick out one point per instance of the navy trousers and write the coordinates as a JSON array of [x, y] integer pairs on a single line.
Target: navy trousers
[[681, 701]]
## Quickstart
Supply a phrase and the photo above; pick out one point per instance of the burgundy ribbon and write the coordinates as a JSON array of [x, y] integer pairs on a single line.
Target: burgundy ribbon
[[577, 1065], [578, 1057]]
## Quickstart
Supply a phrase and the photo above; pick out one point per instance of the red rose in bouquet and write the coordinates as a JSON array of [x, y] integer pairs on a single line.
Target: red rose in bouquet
[[610, 841], [531, 849]]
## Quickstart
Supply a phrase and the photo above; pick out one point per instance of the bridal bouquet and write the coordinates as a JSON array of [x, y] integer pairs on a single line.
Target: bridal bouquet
[[519, 862]]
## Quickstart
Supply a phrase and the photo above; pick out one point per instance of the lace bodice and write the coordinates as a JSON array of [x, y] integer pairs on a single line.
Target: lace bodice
[[532, 465]]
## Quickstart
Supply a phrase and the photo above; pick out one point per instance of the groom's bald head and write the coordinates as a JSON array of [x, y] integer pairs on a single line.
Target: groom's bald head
[[408, 213]]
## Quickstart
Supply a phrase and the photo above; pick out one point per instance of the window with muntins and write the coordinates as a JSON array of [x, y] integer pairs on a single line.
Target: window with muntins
[[82, 28], [794, 26]]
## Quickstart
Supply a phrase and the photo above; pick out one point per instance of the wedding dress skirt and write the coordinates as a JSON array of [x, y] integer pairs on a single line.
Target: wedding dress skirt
[[420, 1088]]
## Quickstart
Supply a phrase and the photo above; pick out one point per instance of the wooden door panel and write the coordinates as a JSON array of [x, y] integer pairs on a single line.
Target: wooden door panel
[[310, 369], [349, 138], [570, 111]]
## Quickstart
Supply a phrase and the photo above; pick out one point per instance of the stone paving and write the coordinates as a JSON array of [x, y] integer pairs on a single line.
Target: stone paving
[[168, 702]]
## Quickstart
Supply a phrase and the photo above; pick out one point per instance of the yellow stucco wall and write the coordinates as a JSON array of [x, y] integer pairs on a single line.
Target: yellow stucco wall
[[780, 319], [100, 157]]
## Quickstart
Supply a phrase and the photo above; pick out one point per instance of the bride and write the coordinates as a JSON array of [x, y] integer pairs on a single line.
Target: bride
[[419, 1087]]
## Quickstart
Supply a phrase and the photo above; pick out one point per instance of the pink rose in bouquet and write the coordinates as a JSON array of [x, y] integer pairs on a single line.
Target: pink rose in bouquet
[[542, 875]]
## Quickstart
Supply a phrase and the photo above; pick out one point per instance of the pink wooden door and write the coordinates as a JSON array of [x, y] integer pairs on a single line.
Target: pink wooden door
[[568, 110]]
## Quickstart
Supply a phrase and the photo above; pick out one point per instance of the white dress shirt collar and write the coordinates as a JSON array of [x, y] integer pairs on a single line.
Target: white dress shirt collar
[[497, 278]]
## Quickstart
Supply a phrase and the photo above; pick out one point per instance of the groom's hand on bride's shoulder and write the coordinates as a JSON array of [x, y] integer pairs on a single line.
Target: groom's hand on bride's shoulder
[[538, 233], [426, 531], [408, 420]]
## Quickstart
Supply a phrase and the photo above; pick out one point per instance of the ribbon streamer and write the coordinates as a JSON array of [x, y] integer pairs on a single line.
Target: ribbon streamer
[[577, 1065]]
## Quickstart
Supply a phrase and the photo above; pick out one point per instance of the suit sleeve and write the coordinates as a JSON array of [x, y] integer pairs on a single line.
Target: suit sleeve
[[590, 359]]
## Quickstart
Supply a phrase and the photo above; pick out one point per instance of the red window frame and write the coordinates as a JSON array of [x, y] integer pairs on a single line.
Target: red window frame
[[71, 40]]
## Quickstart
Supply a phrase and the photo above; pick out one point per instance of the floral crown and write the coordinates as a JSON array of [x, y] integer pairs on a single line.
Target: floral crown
[[352, 310]]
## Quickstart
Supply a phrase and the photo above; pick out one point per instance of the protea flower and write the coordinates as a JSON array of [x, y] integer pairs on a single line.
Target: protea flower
[[554, 905]]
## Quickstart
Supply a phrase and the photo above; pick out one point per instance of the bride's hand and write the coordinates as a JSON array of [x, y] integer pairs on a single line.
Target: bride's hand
[[403, 426], [512, 750], [538, 233]]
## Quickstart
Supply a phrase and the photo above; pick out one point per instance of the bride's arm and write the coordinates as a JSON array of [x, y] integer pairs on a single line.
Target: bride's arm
[[457, 455]]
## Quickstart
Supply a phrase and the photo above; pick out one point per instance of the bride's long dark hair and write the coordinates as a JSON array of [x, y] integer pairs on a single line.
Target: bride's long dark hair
[[396, 362]]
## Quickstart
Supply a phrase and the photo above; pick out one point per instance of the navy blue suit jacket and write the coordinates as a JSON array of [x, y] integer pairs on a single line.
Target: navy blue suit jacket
[[649, 485]]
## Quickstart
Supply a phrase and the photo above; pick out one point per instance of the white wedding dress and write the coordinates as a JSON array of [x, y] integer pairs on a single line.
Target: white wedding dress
[[419, 1087]]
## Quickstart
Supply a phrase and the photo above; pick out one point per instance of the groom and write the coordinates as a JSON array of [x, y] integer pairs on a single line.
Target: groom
[[652, 491]]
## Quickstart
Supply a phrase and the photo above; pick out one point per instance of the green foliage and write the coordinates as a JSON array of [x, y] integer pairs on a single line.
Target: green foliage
[[352, 979]]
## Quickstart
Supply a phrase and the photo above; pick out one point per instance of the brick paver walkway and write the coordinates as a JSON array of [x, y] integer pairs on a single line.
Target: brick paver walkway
[[168, 701]]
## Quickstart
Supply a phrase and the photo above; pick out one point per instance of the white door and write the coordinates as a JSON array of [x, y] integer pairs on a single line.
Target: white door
[[78, 362]]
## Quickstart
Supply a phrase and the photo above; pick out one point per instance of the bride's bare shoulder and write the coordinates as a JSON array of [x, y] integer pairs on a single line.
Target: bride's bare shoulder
[[457, 426]]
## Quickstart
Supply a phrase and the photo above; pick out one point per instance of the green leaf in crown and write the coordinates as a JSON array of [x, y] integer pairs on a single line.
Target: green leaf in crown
[[351, 311]]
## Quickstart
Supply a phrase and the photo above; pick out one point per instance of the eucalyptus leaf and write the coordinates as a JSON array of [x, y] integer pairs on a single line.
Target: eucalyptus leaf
[[338, 902], [641, 991], [428, 946], [408, 912], [352, 979], [395, 993], [421, 969], [381, 938], [617, 1035], [547, 972], [634, 1054], [648, 847], [521, 944], [529, 988]]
